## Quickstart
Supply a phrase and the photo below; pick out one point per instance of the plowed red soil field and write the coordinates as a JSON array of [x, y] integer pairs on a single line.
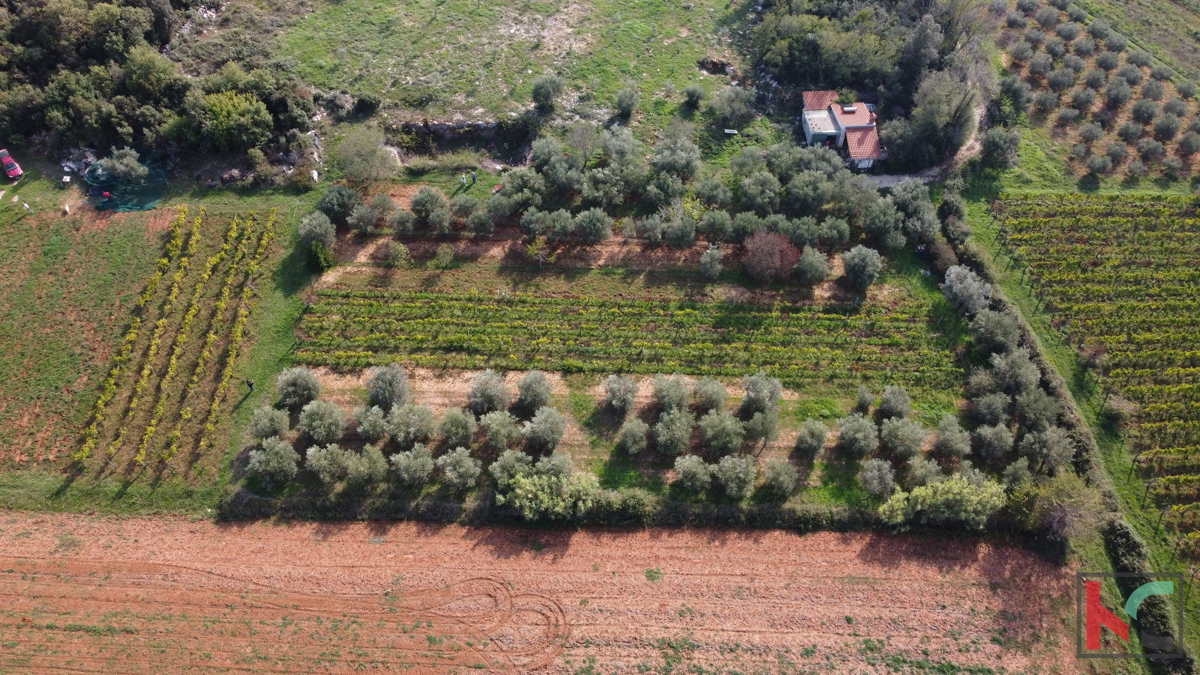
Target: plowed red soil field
[[167, 595]]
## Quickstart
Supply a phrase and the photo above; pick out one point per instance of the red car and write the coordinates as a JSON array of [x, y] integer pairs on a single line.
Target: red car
[[11, 168]]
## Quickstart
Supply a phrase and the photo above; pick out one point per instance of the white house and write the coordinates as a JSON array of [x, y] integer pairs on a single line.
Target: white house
[[848, 128]]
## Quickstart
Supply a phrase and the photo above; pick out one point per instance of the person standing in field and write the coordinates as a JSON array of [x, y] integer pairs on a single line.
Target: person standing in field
[[473, 178]]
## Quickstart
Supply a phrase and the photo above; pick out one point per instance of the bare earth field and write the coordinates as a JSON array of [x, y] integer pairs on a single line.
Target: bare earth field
[[94, 594]]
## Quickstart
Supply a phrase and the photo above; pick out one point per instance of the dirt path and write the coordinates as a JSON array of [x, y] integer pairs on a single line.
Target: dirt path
[[92, 594]]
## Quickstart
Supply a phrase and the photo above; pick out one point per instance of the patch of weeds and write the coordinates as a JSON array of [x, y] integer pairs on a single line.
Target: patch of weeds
[[653, 574]]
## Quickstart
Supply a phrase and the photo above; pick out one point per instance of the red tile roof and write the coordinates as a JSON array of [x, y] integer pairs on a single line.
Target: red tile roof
[[853, 114], [819, 100], [863, 143]]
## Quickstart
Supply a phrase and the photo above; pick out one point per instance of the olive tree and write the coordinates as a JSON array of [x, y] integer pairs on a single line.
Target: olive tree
[[812, 268], [366, 467], [857, 436], [735, 474], [545, 89], [710, 260], [995, 331], [632, 436], [1052, 449], [411, 424], [811, 438], [1015, 372], [673, 433], [328, 463], [315, 227], [273, 462], [413, 467], [459, 469], [720, 432], [544, 432], [619, 392], [992, 408], [322, 421], [780, 478], [268, 422], [387, 386], [952, 440], [533, 391], [921, 471], [903, 437], [371, 422], [670, 393], [763, 393], [692, 473], [992, 442], [457, 428], [509, 465], [877, 477], [488, 393], [1037, 410], [500, 429], [966, 291], [297, 386], [710, 394], [895, 402], [863, 266]]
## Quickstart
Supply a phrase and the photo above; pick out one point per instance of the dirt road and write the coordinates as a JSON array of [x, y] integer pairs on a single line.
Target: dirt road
[[96, 594]]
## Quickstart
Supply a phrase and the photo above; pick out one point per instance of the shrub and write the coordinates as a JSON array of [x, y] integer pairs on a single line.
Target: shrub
[[273, 463], [1090, 133], [693, 95], [966, 291], [627, 100], [769, 256], [1153, 91], [895, 402], [397, 254], [328, 463], [509, 465], [956, 232], [1108, 61], [322, 421], [1052, 449], [1167, 127], [680, 231], [811, 439], [1068, 116], [401, 222], [812, 268], [732, 106], [865, 399], [857, 437], [533, 391], [992, 443], [903, 437], [315, 227], [545, 89], [369, 466], [371, 422], [544, 432], [673, 433], [1137, 168], [780, 478], [995, 331], [1068, 31], [268, 422], [760, 193], [411, 424], [1115, 43], [950, 503], [362, 219], [877, 477], [720, 432], [736, 476], [1099, 164], [1094, 79], [500, 429], [413, 467], [670, 393], [1083, 99], [1130, 132], [1084, 47], [387, 386], [650, 229], [710, 260], [763, 426], [338, 202], [488, 393], [632, 436], [459, 469], [1015, 372], [363, 157], [992, 408], [1117, 94], [763, 393], [1016, 20], [863, 266], [297, 386], [619, 392], [713, 193], [1145, 111], [951, 440], [457, 428], [1118, 411], [1027, 6], [692, 473], [1149, 149], [710, 394]]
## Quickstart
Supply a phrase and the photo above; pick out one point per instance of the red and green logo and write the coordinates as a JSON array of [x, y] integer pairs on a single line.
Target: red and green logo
[[1096, 620]]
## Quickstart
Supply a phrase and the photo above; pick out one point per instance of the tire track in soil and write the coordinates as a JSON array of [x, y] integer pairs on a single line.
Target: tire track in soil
[[332, 597]]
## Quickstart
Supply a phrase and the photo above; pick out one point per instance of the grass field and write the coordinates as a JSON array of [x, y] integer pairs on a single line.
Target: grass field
[[1169, 29], [473, 59]]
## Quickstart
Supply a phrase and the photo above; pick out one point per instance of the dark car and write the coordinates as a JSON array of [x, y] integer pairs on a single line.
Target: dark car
[[11, 168]]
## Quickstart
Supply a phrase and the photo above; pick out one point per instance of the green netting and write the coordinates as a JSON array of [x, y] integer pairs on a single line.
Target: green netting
[[105, 192]]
